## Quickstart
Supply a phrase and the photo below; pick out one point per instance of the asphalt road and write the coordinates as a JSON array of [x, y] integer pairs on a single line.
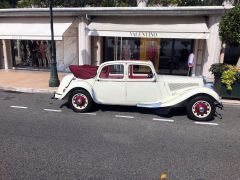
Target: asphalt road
[[41, 138]]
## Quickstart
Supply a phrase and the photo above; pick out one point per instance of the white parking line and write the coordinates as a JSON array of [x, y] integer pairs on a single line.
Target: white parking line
[[120, 116], [206, 123], [94, 114], [52, 110], [164, 120], [19, 107]]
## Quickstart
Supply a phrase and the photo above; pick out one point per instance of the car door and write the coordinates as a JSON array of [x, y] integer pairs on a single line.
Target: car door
[[109, 87], [141, 85]]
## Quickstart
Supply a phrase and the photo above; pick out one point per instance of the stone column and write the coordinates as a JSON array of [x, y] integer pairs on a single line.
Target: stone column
[[213, 47], [200, 50], [7, 58], [84, 43], [1, 54], [97, 50]]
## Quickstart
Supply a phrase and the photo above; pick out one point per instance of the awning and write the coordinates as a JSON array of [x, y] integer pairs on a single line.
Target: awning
[[184, 27], [33, 28]]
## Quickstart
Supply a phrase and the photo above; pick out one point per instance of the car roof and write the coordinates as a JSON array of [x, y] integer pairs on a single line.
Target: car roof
[[147, 62]]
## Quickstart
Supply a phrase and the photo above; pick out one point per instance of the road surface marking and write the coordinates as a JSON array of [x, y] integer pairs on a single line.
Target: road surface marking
[[206, 123], [52, 110], [164, 120], [128, 117], [94, 114], [19, 107]]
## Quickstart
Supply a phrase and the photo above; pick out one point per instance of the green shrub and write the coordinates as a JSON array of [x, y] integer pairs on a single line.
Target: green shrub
[[229, 74]]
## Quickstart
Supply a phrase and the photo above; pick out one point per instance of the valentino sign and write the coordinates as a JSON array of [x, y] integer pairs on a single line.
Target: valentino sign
[[143, 34]]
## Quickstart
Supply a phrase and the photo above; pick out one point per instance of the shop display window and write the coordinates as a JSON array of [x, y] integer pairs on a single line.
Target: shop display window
[[174, 55], [169, 56], [31, 53]]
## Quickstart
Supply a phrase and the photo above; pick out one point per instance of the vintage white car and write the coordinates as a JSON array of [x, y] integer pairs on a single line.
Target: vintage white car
[[136, 83]]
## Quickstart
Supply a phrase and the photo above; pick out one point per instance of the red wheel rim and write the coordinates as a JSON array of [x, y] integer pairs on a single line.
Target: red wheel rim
[[201, 109], [79, 101]]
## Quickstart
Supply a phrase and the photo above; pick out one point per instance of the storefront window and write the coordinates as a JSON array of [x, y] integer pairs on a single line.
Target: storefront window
[[27, 53], [109, 49], [169, 56], [173, 56]]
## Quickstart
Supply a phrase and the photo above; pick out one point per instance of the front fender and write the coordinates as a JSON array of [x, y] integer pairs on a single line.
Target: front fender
[[190, 93], [77, 84]]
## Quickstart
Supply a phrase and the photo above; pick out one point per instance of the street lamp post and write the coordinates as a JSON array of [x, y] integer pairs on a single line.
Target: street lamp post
[[54, 81]]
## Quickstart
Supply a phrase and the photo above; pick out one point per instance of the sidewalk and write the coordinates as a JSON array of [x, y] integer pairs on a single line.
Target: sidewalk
[[37, 82], [27, 81]]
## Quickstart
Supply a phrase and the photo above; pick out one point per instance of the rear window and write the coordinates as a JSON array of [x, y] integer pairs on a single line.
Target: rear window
[[112, 72]]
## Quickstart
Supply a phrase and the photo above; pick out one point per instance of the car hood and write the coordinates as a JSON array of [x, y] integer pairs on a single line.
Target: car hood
[[181, 82]]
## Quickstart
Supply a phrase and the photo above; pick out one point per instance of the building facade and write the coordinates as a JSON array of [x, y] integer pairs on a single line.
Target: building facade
[[164, 35]]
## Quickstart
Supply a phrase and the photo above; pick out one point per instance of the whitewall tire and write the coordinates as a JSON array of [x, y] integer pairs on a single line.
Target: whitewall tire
[[201, 108], [80, 101]]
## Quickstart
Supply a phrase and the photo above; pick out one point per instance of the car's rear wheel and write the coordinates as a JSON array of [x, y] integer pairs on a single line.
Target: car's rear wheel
[[80, 101], [201, 108]]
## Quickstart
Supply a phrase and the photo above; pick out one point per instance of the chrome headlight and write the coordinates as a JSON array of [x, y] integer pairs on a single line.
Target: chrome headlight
[[208, 84]]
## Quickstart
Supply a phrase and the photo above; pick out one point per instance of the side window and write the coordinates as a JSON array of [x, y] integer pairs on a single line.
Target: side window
[[139, 72], [112, 72]]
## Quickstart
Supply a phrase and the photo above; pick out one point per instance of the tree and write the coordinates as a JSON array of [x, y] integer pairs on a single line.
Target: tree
[[7, 3], [229, 27], [77, 3], [186, 2]]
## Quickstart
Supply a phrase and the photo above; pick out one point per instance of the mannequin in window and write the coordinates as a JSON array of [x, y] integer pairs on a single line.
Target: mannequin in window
[[136, 53], [152, 52], [126, 53], [43, 51]]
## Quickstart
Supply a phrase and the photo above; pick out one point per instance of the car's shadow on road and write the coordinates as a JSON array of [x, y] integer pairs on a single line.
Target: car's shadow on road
[[167, 113], [162, 112]]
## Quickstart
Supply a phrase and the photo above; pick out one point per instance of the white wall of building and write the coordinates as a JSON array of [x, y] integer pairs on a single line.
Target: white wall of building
[[67, 50], [84, 42], [213, 46]]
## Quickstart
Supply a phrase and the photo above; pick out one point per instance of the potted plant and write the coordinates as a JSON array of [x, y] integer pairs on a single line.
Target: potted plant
[[227, 80]]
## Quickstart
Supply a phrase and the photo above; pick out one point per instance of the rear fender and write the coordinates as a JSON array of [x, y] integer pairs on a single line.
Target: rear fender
[[190, 93], [77, 84]]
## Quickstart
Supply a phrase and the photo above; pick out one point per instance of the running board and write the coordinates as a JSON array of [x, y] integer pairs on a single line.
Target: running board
[[150, 105]]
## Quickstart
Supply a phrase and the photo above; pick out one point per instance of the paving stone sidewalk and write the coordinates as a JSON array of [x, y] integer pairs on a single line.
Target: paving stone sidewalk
[[27, 81]]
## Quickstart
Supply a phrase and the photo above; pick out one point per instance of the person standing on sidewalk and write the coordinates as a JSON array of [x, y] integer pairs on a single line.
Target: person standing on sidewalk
[[191, 60]]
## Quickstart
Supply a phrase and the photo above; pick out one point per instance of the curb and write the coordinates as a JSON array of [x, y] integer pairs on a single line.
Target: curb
[[28, 90], [230, 102]]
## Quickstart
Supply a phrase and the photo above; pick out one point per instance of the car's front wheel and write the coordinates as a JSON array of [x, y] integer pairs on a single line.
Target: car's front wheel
[[80, 101], [201, 108]]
